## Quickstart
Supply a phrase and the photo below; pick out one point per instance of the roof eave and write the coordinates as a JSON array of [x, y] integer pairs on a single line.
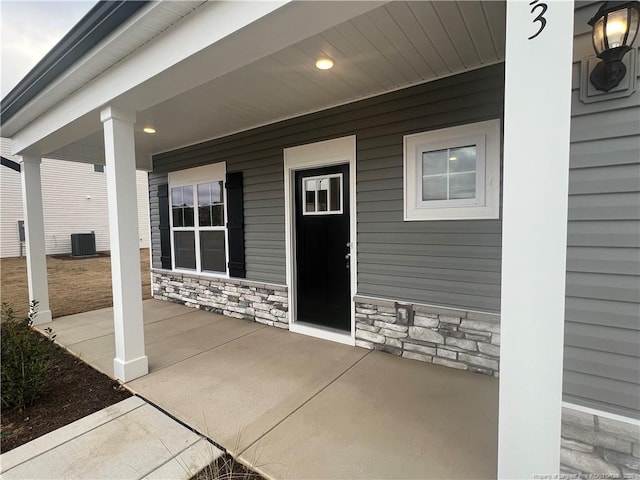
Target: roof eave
[[97, 24]]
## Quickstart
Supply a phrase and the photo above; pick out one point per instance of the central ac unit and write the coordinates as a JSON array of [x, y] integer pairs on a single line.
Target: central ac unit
[[83, 244]]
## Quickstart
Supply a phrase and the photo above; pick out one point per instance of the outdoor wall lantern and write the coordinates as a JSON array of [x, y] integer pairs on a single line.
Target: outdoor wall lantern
[[615, 27]]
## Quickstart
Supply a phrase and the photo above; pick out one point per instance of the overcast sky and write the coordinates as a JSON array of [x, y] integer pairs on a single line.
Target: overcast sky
[[29, 29]]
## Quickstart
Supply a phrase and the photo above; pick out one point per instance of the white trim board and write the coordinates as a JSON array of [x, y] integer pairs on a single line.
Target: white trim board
[[193, 175], [602, 413], [319, 154], [323, 333]]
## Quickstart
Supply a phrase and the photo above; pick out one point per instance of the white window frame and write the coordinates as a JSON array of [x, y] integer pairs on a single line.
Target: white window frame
[[485, 136], [323, 212], [193, 177]]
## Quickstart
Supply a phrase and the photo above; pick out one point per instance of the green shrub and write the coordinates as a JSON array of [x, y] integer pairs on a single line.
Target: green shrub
[[26, 358]]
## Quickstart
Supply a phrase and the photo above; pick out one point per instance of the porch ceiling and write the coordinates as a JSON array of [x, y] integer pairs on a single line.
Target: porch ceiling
[[390, 47]]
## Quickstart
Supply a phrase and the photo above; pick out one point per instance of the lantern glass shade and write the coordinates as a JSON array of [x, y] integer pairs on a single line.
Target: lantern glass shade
[[615, 29], [634, 23]]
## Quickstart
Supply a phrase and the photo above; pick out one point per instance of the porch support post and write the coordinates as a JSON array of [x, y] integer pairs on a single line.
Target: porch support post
[[131, 361], [34, 237], [534, 235]]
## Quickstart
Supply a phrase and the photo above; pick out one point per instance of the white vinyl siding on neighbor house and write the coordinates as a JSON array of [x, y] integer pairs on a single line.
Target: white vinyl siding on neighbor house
[[10, 211], [74, 199]]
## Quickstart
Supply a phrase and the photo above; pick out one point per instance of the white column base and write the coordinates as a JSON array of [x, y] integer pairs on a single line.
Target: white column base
[[127, 371], [43, 316]]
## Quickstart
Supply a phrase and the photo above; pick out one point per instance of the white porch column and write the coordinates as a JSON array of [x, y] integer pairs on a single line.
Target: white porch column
[[536, 168], [131, 361], [34, 237]]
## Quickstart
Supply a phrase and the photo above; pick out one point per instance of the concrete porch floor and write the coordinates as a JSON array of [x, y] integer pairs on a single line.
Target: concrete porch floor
[[293, 406]]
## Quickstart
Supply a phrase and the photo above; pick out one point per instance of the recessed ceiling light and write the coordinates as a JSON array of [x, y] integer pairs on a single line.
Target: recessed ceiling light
[[324, 63], [453, 158], [149, 130]]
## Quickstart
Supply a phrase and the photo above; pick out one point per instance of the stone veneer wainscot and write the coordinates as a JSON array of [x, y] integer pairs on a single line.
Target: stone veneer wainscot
[[596, 445], [453, 338], [255, 301]]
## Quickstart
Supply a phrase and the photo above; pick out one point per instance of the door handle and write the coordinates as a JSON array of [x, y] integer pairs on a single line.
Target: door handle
[[347, 257]]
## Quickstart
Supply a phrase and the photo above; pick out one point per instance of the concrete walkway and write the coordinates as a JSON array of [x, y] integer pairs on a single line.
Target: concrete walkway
[[293, 406], [130, 439]]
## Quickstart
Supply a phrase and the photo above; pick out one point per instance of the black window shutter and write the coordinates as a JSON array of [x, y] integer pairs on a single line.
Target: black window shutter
[[165, 230], [235, 225]]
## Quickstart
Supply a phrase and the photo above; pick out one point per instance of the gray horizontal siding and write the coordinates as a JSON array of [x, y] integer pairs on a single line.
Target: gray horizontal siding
[[607, 179], [601, 393], [155, 179], [618, 367], [415, 261], [607, 313], [601, 338], [419, 238], [615, 261], [603, 233], [447, 266], [614, 206], [443, 263], [602, 333], [624, 123], [602, 152], [440, 251], [623, 288]]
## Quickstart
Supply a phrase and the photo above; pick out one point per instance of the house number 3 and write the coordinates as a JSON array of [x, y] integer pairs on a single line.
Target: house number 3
[[540, 18]]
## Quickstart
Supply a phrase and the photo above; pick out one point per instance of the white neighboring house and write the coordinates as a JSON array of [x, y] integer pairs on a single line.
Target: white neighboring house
[[74, 197]]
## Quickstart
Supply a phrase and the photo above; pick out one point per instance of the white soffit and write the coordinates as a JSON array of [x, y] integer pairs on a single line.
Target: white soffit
[[383, 49], [391, 47]]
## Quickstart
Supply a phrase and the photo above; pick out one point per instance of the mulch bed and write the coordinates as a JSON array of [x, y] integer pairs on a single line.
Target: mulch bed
[[73, 390]]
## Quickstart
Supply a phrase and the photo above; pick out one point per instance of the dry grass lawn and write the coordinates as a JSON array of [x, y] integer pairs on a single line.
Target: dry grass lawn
[[75, 285]]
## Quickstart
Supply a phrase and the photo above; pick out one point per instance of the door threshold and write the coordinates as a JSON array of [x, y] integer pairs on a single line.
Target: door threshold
[[326, 333]]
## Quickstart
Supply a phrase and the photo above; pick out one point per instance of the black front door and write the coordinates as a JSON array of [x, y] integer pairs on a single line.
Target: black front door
[[323, 281]]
